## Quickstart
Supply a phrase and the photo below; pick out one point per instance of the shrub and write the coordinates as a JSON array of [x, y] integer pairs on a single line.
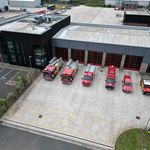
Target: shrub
[[3, 106]]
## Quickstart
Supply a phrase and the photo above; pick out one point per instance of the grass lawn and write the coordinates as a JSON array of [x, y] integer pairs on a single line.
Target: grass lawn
[[134, 139]]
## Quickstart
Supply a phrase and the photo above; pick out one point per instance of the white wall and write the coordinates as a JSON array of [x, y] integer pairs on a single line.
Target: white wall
[[3, 3], [25, 4], [37, 3]]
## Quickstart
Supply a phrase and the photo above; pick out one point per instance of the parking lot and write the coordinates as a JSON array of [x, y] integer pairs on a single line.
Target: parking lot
[[91, 113], [7, 76]]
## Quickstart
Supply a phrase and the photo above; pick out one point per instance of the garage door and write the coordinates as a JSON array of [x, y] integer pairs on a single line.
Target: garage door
[[113, 59], [133, 62], [95, 57], [61, 52], [77, 55]]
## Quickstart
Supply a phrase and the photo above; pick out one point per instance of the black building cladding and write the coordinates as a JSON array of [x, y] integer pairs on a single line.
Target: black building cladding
[[33, 48], [137, 18]]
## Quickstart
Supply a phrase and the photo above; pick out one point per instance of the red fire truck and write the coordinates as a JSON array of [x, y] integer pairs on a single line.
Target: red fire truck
[[69, 72], [145, 84], [88, 75], [111, 77], [52, 69]]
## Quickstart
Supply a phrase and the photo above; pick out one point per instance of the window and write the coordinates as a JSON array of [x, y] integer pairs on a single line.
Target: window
[[11, 51], [40, 55]]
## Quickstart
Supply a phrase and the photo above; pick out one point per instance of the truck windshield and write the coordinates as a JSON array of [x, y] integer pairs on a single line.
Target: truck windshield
[[46, 74], [110, 80], [128, 84], [66, 77], [87, 77], [146, 86]]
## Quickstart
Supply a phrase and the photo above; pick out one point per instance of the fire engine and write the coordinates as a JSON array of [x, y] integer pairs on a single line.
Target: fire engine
[[52, 69], [88, 75], [145, 84], [69, 72], [111, 77]]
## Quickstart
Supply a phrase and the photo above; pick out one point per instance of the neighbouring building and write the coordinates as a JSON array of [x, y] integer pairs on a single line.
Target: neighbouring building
[[128, 3], [3, 5], [137, 17], [25, 3]]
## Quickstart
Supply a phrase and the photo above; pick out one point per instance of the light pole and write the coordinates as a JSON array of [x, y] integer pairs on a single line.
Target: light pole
[[30, 61], [147, 124]]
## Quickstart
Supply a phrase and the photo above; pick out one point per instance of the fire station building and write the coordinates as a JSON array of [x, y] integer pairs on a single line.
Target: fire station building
[[125, 47], [33, 40]]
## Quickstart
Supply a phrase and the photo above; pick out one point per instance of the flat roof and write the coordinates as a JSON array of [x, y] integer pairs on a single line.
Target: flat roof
[[95, 15], [138, 12], [127, 37], [27, 24], [31, 10], [5, 15]]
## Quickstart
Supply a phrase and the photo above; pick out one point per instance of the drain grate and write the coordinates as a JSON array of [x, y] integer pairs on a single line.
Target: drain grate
[[138, 117], [40, 116]]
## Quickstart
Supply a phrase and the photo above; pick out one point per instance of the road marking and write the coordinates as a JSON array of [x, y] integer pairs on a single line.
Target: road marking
[[10, 81], [4, 77]]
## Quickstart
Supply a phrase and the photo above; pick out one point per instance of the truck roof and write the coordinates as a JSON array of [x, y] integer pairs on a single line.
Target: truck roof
[[127, 78], [146, 82], [49, 68], [67, 70], [111, 69], [90, 68]]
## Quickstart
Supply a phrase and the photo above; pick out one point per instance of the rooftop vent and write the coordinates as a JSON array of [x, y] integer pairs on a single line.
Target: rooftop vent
[[39, 19], [48, 19]]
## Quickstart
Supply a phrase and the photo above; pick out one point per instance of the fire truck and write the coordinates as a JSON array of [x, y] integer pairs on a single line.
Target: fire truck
[[145, 84], [69, 72], [126, 84], [111, 77], [52, 69], [88, 75]]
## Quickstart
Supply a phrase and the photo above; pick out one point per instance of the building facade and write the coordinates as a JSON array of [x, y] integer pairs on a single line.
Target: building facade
[[30, 44], [3, 5], [104, 46]]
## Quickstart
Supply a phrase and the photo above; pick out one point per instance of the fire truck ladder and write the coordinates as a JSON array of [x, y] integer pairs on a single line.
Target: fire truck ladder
[[69, 63], [56, 61], [90, 68], [74, 64], [52, 60]]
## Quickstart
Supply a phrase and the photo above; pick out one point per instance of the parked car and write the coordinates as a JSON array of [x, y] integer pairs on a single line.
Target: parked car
[[126, 84]]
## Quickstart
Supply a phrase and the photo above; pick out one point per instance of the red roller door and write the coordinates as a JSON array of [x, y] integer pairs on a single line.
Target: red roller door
[[77, 55], [133, 62], [95, 57], [113, 59], [61, 52]]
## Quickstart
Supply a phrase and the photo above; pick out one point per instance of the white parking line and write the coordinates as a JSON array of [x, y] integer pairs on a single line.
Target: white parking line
[[4, 77]]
